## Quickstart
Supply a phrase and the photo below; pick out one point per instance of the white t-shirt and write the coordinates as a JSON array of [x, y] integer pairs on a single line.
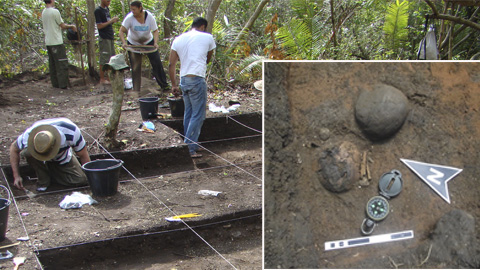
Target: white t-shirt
[[192, 48], [51, 26], [140, 33]]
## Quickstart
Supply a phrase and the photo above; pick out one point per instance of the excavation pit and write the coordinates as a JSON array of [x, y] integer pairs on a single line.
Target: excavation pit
[[122, 227], [176, 246]]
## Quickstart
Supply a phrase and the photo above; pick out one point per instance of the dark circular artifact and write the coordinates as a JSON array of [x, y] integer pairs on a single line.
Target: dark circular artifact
[[338, 165]]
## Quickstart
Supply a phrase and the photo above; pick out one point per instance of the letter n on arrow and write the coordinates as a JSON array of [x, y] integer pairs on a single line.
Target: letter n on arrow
[[436, 176]]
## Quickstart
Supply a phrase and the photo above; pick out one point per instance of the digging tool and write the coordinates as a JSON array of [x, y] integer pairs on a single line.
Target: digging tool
[[29, 193], [31, 178], [17, 261]]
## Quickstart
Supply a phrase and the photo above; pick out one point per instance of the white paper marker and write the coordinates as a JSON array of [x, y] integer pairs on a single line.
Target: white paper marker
[[375, 239]]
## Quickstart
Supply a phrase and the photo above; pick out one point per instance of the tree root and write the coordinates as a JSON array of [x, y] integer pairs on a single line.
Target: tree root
[[428, 256], [396, 265]]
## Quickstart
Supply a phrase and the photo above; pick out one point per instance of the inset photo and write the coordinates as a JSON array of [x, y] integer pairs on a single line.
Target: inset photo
[[371, 164]]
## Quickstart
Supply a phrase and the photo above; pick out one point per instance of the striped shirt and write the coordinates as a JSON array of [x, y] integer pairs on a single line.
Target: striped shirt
[[70, 133]]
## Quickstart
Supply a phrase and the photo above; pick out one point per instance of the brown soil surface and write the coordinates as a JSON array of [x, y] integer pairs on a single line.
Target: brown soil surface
[[443, 127], [140, 206]]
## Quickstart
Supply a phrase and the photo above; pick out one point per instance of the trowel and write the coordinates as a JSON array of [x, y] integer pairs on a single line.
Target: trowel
[[29, 193]]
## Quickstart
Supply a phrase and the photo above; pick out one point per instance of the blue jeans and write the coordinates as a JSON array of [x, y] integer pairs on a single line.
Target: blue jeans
[[194, 91]]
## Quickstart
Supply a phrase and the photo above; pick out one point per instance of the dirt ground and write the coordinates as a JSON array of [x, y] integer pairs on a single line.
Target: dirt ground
[[30, 97], [309, 107]]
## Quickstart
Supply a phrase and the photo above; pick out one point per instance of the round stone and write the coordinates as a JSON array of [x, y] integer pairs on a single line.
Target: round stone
[[381, 113], [338, 167], [324, 134]]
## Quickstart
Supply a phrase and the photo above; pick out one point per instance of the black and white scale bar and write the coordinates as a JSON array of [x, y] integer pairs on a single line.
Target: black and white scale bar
[[355, 242]]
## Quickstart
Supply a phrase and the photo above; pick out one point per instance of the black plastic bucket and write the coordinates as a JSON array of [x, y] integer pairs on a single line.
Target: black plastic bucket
[[148, 107], [102, 175], [177, 107], [4, 207]]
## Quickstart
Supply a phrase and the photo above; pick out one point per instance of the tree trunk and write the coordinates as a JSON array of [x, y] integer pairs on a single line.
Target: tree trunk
[[334, 30], [249, 24], [168, 23], [91, 39], [211, 11], [111, 128]]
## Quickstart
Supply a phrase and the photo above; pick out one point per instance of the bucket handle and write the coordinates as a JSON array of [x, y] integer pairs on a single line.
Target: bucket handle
[[121, 163], [9, 197]]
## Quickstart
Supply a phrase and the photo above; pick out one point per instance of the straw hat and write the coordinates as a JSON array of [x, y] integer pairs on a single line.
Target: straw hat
[[258, 85], [117, 62], [44, 142]]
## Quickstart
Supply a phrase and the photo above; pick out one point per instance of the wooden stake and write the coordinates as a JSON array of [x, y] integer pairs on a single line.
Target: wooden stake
[[11, 245]]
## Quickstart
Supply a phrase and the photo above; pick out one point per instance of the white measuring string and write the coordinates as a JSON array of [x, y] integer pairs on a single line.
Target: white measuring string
[[21, 221], [226, 160], [132, 180], [238, 122], [168, 208]]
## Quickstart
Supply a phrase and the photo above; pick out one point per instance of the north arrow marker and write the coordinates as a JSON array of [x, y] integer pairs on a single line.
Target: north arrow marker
[[436, 176]]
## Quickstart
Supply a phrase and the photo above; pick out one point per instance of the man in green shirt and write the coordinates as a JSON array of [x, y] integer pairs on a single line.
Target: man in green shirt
[[57, 57]]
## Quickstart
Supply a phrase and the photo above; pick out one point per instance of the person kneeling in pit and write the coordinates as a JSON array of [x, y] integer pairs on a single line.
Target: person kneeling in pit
[[47, 147]]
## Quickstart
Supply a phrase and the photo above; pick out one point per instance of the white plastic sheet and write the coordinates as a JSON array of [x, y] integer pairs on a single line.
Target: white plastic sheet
[[76, 200], [214, 108]]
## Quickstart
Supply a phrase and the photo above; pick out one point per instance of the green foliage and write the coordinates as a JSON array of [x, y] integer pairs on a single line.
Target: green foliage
[[303, 37], [300, 39], [19, 22], [395, 27], [303, 29], [305, 8], [250, 68]]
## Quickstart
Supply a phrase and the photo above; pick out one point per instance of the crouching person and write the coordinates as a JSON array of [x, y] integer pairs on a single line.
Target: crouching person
[[47, 146]]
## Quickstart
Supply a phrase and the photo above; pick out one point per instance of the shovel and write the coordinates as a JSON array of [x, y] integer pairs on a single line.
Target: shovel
[[17, 261]]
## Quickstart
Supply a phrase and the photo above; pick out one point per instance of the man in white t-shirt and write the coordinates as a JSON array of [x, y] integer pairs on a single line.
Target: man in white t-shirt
[[57, 57], [141, 29], [194, 49]]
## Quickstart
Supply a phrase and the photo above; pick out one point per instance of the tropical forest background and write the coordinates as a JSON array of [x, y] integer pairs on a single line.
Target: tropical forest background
[[250, 31]]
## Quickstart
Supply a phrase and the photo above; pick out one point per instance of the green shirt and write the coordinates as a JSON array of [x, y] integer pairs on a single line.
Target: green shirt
[[51, 26]]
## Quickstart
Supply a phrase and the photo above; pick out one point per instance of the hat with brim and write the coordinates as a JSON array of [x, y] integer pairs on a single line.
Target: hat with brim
[[258, 85], [117, 62], [44, 142]]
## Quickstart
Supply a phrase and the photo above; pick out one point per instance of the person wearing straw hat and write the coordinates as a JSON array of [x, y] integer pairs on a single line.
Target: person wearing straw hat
[[47, 147]]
